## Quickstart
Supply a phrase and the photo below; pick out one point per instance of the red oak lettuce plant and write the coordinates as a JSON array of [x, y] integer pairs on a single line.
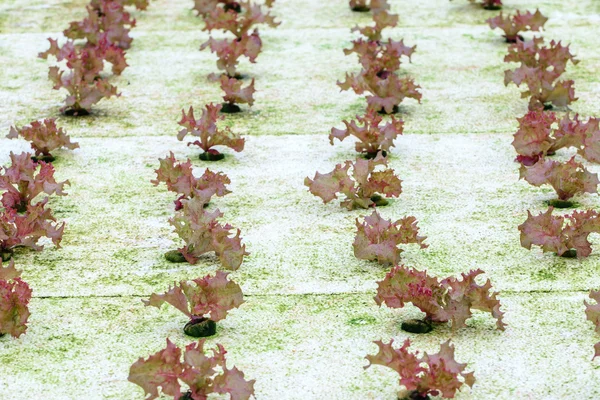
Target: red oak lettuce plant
[[567, 179], [203, 374], [447, 300], [592, 312], [537, 137], [26, 229], [378, 238], [204, 300], [239, 20], [552, 234], [369, 5], [435, 374], [107, 19], [363, 188], [179, 178], [44, 137], [380, 61], [513, 24], [202, 233], [235, 94], [208, 132], [540, 69], [14, 298], [22, 182], [82, 77], [373, 136]]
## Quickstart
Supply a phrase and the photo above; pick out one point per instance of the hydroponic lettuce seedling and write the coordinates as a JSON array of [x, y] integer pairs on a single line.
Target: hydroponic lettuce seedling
[[204, 300], [235, 94], [369, 5], [209, 134], [378, 238], [567, 179], [567, 236], [540, 70], [380, 56], [450, 299], [107, 19], [202, 233], [512, 25], [44, 137], [25, 229], [15, 295], [203, 375], [540, 135], [363, 188], [423, 376], [81, 78], [373, 136], [229, 51], [179, 178], [592, 312], [24, 180]]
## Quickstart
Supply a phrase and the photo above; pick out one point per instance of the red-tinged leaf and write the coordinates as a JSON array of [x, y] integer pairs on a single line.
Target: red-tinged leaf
[[234, 93], [25, 180], [232, 381], [443, 374], [179, 178], [229, 51], [401, 360], [567, 179], [9, 272], [406, 285], [239, 23], [174, 296], [466, 294], [160, 370], [358, 189], [533, 138], [212, 296], [427, 375], [378, 239], [43, 136], [383, 19], [207, 131], [512, 25], [373, 136], [548, 232], [592, 311], [441, 301], [202, 234]]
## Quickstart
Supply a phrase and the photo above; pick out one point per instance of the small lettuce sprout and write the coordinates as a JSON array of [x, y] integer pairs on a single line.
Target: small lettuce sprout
[[369, 5], [235, 94], [567, 179], [202, 233], [450, 299], [567, 236], [14, 298], [513, 24], [204, 300], [363, 188], [541, 67], [179, 178], [203, 374], [373, 136], [208, 132], [592, 312], [44, 137], [378, 238], [430, 375]]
